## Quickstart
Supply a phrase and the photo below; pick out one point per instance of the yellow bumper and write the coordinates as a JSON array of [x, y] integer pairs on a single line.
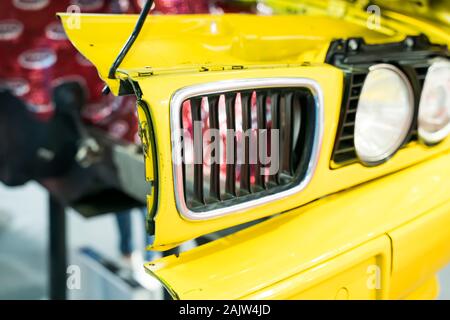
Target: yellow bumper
[[383, 239]]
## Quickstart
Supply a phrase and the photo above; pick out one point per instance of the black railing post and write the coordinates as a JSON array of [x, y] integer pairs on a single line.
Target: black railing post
[[57, 254]]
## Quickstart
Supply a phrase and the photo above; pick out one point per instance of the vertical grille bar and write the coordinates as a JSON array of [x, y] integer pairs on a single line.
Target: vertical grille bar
[[262, 145], [286, 133], [230, 185], [275, 125], [297, 129], [246, 98], [187, 152], [223, 132], [196, 104], [213, 102], [421, 72], [238, 148], [206, 151]]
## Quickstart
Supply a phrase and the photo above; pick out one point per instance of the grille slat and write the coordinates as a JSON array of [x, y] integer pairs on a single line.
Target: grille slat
[[261, 125], [230, 186], [349, 124], [345, 150], [348, 137], [213, 102], [286, 133], [196, 105], [275, 124], [421, 73], [246, 100]]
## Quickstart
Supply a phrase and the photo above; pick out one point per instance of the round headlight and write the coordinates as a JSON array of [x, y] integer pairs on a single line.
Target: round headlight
[[434, 109], [385, 114]]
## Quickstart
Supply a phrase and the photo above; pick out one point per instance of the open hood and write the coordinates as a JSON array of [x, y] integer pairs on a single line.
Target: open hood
[[437, 11]]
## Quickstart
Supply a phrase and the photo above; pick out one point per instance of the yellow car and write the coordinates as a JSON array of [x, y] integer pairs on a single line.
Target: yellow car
[[347, 109]]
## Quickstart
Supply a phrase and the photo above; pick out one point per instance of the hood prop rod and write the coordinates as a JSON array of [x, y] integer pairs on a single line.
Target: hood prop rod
[[137, 29]]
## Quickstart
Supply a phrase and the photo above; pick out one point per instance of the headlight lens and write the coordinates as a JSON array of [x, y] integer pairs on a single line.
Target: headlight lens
[[434, 109], [384, 115]]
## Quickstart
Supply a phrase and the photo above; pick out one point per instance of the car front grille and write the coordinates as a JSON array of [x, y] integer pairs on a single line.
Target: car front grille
[[244, 143]]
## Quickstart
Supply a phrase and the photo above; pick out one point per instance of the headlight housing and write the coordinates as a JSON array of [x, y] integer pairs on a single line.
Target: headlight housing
[[385, 114], [434, 108]]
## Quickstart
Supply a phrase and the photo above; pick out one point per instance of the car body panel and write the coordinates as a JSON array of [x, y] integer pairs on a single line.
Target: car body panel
[[422, 248], [171, 228], [155, 63], [258, 262], [362, 273]]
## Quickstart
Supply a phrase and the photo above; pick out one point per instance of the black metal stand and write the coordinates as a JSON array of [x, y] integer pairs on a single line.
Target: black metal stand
[[57, 250]]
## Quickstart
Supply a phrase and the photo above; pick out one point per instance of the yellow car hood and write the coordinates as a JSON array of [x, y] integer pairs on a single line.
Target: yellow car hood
[[190, 42]]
